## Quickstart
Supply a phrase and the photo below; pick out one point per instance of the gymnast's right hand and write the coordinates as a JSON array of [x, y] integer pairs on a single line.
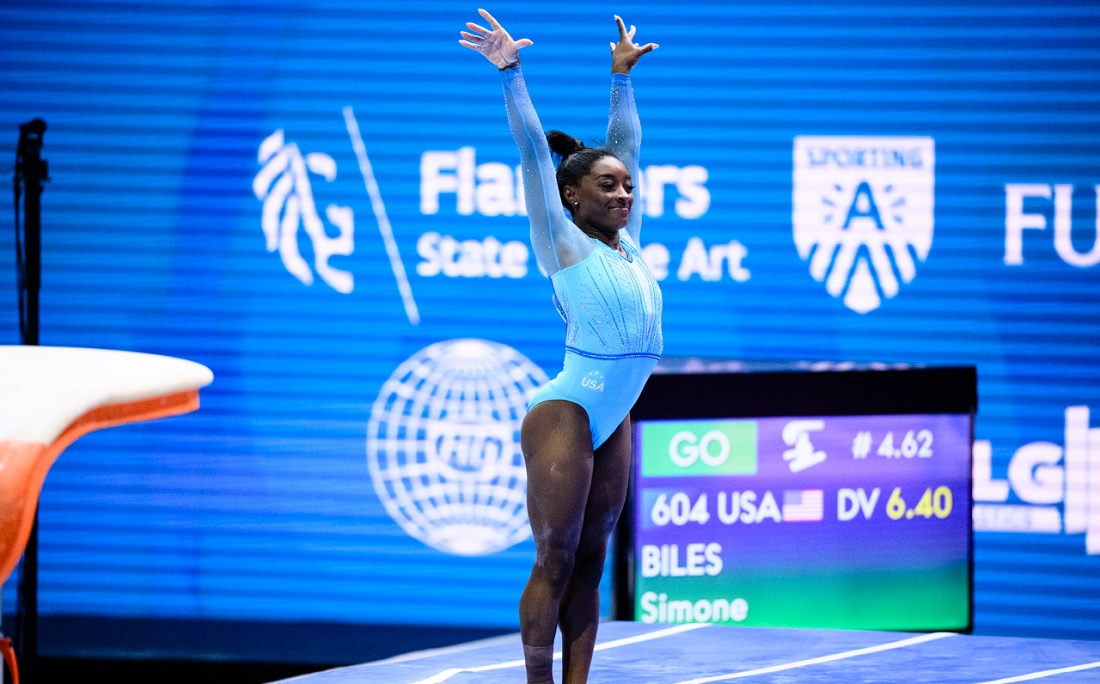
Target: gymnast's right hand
[[494, 42]]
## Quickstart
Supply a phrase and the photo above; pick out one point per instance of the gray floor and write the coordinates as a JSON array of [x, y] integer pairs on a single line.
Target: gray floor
[[695, 654]]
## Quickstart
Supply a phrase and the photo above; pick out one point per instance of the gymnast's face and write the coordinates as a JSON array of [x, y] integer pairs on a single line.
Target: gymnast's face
[[603, 199]]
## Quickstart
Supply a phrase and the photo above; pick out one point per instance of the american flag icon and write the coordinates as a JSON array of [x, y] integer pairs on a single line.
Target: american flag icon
[[803, 505]]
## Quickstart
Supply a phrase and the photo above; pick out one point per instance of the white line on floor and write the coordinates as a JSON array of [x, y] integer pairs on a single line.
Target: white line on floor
[[912, 641], [627, 641], [448, 650], [1044, 673]]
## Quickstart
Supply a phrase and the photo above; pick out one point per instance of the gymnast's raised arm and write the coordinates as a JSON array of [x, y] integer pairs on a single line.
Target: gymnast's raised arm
[[557, 242], [624, 130]]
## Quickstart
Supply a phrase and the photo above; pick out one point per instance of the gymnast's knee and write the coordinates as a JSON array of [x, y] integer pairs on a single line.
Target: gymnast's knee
[[589, 565], [556, 566]]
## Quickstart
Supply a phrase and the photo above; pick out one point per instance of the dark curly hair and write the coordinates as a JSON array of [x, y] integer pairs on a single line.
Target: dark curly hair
[[576, 160]]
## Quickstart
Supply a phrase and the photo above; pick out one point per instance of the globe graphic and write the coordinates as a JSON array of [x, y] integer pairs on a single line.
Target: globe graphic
[[443, 445]]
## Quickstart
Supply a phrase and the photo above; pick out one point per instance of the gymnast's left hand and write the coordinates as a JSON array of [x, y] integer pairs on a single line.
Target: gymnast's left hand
[[626, 53]]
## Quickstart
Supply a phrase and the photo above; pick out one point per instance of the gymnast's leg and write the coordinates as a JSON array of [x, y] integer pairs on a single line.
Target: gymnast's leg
[[579, 614], [557, 448]]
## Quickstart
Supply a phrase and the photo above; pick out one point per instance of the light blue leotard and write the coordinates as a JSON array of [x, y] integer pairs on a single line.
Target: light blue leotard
[[611, 303]]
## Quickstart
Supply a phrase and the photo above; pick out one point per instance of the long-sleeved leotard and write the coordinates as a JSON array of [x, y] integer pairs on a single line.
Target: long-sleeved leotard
[[611, 303]]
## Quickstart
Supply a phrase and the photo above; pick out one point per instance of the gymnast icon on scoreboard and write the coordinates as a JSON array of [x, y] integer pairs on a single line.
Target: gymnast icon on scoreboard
[[802, 453]]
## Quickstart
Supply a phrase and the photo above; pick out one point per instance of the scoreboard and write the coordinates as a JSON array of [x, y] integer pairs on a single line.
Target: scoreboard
[[855, 521]]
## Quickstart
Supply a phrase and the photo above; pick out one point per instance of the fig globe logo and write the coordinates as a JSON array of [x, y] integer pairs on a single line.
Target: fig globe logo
[[863, 213], [443, 445]]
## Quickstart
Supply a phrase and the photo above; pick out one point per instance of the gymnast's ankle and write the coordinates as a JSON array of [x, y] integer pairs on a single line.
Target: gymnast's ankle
[[540, 664]]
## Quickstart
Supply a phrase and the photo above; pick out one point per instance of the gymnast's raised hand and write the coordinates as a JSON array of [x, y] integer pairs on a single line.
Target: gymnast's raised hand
[[626, 53], [495, 43]]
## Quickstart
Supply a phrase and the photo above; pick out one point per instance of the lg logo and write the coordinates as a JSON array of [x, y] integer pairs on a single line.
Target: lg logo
[[685, 448]]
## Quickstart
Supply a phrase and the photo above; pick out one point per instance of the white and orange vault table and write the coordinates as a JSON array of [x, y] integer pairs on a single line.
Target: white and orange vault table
[[50, 396]]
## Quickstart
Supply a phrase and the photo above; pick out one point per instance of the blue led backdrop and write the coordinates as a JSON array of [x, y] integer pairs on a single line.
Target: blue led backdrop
[[320, 202]]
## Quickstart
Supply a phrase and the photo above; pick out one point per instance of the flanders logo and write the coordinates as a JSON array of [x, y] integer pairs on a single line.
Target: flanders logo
[[862, 211]]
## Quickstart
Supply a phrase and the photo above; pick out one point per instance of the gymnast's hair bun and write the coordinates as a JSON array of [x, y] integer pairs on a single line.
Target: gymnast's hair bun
[[562, 144]]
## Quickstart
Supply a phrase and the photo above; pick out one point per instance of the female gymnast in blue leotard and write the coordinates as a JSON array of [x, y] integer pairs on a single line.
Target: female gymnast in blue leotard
[[576, 435]]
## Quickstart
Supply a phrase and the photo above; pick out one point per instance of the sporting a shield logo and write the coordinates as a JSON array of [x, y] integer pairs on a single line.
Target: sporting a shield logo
[[863, 213]]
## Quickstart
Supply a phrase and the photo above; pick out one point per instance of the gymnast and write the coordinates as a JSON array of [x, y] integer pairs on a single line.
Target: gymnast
[[576, 435]]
